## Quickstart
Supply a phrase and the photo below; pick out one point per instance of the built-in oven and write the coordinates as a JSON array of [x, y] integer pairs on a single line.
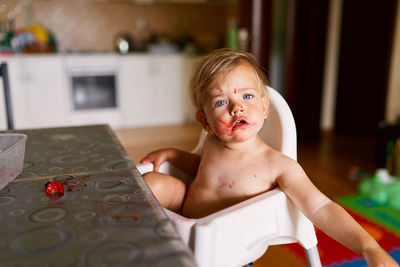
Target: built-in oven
[[94, 91]]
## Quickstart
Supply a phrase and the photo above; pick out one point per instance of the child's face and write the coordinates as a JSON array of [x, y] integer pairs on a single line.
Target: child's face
[[233, 107]]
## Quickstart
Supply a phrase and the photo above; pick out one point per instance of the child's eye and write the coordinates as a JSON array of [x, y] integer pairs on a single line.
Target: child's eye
[[220, 103], [248, 96]]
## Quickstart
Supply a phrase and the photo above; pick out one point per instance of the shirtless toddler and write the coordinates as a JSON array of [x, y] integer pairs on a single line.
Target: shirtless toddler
[[228, 91]]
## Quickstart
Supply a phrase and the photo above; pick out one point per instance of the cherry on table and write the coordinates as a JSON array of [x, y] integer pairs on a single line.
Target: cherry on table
[[54, 187]]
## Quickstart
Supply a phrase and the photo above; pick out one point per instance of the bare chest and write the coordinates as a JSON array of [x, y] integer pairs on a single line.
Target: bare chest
[[240, 178]]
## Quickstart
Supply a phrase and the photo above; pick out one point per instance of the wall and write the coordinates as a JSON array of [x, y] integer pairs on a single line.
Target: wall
[[393, 97], [331, 65], [89, 25]]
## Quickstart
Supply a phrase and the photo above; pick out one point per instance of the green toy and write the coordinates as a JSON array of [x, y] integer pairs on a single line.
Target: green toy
[[382, 188]]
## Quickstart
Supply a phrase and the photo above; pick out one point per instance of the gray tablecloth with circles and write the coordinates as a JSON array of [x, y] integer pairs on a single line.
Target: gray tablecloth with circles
[[106, 217]]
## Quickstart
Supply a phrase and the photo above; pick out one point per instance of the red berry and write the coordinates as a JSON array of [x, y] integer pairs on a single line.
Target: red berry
[[54, 187]]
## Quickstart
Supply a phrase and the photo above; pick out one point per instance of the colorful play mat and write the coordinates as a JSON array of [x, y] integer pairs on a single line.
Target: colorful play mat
[[381, 222]]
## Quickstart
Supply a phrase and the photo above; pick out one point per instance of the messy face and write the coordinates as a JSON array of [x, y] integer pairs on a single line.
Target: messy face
[[234, 107]]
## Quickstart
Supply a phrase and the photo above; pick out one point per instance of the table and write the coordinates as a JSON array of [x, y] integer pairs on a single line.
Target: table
[[107, 216]]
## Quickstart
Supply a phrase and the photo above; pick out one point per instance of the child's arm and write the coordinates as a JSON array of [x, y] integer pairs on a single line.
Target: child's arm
[[329, 217], [183, 160], [337, 223]]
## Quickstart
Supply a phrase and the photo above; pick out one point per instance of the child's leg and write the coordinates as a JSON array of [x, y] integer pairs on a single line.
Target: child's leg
[[169, 191]]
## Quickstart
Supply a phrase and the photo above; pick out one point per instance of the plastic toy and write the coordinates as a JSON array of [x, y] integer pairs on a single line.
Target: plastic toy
[[381, 188], [12, 154]]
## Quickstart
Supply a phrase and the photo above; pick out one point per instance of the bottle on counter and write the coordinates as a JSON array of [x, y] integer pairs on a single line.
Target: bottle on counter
[[232, 35]]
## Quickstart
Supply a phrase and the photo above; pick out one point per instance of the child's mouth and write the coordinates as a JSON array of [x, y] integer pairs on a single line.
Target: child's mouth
[[239, 123]]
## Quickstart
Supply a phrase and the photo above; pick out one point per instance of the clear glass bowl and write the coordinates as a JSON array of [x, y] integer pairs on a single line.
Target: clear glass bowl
[[12, 152]]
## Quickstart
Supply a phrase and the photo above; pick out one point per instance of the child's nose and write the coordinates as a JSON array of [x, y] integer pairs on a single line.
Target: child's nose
[[236, 108]]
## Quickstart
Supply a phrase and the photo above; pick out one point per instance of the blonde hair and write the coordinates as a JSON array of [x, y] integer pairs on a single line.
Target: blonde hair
[[216, 65]]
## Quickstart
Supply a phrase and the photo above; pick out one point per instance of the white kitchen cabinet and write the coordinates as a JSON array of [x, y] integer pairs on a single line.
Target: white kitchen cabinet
[[135, 97], [38, 91], [151, 90], [155, 90], [3, 115], [171, 88]]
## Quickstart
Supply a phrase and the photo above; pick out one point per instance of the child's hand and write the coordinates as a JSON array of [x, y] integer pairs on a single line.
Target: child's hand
[[377, 257], [157, 157]]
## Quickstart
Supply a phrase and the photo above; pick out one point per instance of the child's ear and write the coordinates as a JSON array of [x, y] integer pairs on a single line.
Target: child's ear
[[265, 106], [202, 119]]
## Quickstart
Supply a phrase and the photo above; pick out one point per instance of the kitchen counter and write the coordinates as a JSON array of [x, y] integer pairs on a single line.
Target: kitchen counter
[[94, 53], [147, 89]]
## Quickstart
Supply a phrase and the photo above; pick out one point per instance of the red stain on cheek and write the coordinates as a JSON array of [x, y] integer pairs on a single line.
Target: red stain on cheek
[[228, 124], [225, 128], [255, 175], [234, 91]]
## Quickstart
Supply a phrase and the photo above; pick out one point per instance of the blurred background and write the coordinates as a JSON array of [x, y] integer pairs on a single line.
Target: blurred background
[[127, 62]]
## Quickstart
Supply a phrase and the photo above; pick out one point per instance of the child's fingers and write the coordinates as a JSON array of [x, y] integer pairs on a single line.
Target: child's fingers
[[156, 158], [148, 159], [156, 168], [156, 165], [145, 160]]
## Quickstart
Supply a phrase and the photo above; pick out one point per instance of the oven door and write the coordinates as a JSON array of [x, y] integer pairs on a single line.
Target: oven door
[[94, 92]]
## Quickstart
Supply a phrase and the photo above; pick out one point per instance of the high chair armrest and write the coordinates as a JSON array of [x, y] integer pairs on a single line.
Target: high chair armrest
[[145, 167], [270, 208]]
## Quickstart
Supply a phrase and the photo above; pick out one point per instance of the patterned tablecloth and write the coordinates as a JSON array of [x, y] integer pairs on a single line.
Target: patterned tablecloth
[[106, 217]]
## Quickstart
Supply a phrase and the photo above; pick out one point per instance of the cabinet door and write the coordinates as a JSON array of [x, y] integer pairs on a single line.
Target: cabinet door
[[170, 88], [154, 90], [3, 115], [38, 91], [187, 72], [136, 95]]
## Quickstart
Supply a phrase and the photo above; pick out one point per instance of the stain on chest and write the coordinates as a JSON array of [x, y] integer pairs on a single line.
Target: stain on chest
[[225, 184]]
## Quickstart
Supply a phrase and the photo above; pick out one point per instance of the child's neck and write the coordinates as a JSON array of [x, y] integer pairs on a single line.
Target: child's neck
[[250, 144]]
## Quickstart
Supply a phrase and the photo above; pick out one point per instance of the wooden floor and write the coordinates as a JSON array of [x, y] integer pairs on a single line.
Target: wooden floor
[[327, 162]]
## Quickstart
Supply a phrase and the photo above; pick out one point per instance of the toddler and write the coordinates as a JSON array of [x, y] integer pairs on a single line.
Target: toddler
[[228, 89]]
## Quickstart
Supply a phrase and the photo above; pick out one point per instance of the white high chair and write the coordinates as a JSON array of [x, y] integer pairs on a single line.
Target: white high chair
[[240, 234]]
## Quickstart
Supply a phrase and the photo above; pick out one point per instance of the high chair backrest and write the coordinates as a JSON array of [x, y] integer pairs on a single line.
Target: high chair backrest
[[279, 129]]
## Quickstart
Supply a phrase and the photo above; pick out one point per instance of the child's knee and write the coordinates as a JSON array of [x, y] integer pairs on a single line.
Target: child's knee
[[153, 180], [168, 190]]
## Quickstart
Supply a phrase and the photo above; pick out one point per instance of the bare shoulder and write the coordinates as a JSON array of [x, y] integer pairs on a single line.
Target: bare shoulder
[[283, 163], [294, 182], [288, 173]]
